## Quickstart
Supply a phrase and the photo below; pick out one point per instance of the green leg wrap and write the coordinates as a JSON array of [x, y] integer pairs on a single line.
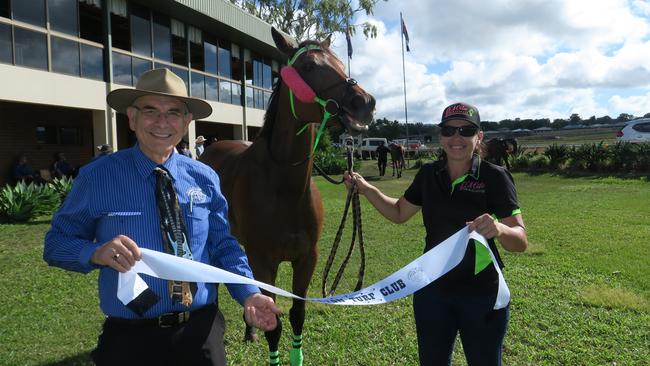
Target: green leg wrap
[[274, 358], [295, 355]]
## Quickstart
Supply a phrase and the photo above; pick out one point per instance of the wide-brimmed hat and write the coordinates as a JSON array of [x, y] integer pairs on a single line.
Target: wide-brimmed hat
[[160, 82], [462, 111], [200, 139]]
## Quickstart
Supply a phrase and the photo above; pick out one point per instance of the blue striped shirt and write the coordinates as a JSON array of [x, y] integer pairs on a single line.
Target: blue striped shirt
[[116, 195]]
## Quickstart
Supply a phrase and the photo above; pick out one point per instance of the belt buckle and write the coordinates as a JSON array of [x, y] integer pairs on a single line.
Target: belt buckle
[[169, 320]]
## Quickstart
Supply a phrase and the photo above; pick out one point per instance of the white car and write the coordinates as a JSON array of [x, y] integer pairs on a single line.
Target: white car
[[369, 146], [635, 131]]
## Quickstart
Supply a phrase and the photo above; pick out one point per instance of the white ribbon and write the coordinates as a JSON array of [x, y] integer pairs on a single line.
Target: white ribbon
[[422, 271]]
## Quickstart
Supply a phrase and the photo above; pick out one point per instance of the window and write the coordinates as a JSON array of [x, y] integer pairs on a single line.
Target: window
[[4, 9], [211, 88], [122, 69], [65, 56], [236, 65], [198, 85], [6, 55], [32, 12], [140, 30], [641, 127], [179, 43], [58, 135], [63, 15], [224, 61], [70, 136], [267, 81], [90, 21], [250, 101], [210, 56], [120, 30], [257, 72], [224, 92], [196, 48], [46, 135], [249, 72], [162, 38], [236, 94], [92, 62], [31, 48], [140, 66]]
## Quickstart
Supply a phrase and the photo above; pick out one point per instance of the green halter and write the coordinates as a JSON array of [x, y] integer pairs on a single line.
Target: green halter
[[323, 103]]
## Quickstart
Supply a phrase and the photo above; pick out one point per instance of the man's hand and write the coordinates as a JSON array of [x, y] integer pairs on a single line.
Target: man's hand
[[120, 253], [260, 312]]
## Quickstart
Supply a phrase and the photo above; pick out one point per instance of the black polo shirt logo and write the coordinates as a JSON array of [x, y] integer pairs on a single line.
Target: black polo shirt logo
[[472, 186]]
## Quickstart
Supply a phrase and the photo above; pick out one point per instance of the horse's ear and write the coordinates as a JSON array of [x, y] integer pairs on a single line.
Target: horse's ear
[[326, 42], [281, 42]]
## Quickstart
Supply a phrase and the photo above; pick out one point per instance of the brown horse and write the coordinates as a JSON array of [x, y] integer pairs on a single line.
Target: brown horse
[[499, 150], [275, 208], [397, 157]]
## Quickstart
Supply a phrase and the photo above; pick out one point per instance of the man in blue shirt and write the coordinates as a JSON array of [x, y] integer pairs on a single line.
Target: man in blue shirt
[[112, 211]]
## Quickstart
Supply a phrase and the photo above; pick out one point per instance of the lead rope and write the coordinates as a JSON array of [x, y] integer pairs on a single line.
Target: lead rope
[[352, 196]]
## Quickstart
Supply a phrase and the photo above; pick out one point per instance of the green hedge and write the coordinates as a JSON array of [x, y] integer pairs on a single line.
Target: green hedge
[[619, 158]]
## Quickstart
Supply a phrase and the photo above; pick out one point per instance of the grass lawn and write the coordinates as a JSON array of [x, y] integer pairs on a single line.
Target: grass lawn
[[580, 294]]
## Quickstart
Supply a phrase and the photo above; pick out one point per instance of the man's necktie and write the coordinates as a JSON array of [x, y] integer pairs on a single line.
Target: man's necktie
[[174, 233]]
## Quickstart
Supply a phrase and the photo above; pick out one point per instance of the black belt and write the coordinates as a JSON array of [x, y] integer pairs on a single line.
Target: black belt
[[166, 320]]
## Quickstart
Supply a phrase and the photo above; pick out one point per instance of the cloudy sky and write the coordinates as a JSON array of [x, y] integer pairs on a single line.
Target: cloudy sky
[[510, 58]]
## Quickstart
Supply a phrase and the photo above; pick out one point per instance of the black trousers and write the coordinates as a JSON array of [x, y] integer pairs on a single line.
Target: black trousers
[[198, 341], [439, 317]]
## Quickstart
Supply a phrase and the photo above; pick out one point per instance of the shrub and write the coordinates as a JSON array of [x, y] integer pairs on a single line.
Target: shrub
[[24, 202], [592, 157], [623, 155], [330, 159], [557, 155], [539, 162], [642, 159], [62, 186]]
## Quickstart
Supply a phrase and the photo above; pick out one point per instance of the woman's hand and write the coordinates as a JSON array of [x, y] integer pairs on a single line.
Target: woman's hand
[[361, 184], [485, 225]]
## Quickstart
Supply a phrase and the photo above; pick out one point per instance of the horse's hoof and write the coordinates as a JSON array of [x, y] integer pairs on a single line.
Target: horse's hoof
[[295, 357]]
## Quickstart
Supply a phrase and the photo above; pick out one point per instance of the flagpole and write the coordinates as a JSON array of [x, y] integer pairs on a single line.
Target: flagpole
[[406, 113]]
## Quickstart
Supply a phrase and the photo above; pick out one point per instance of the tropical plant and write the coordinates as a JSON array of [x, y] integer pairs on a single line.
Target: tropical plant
[[557, 155], [24, 202], [62, 186], [592, 157]]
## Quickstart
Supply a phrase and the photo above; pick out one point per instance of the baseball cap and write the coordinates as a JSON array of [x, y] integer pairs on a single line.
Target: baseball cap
[[461, 111]]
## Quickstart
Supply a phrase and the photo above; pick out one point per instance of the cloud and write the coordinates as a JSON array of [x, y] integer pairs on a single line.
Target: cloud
[[526, 58]]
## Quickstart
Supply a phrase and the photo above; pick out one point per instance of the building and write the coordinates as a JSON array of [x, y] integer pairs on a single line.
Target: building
[[59, 59]]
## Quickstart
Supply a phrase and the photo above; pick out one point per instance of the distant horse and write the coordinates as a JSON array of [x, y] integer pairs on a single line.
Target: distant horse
[[397, 158], [498, 150], [275, 208]]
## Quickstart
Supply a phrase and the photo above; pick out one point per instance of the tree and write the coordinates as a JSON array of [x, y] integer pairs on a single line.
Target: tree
[[575, 119], [311, 19], [624, 117]]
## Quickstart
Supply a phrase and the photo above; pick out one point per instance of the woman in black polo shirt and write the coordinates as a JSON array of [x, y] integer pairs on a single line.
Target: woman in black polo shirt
[[458, 190]]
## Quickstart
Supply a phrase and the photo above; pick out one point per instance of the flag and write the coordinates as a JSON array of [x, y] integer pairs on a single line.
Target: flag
[[405, 33], [347, 38]]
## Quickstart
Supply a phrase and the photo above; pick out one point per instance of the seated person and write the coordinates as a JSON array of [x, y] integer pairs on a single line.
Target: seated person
[[23, 171], [62, 167]]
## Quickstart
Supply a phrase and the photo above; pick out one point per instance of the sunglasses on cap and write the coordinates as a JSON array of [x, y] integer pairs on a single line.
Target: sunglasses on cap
[[465, 131]]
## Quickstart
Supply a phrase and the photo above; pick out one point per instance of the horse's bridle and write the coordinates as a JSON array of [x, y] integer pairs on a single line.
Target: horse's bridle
[[331, 107]]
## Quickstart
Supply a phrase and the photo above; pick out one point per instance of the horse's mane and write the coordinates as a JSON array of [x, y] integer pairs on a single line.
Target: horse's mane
[[272, 109]]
